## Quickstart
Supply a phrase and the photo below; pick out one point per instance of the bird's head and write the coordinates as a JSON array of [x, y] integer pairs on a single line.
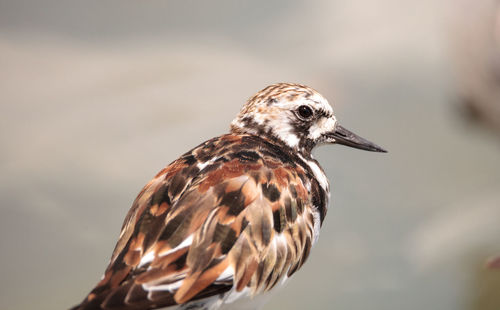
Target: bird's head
[[297, 116]]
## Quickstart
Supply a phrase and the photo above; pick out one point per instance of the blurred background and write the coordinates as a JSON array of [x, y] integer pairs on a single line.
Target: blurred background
[[98, 96]]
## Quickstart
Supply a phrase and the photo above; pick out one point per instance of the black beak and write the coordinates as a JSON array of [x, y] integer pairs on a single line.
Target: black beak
[[343, 136]]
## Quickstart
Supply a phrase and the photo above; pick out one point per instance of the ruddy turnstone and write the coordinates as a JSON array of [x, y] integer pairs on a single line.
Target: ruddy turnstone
[[232, 218]]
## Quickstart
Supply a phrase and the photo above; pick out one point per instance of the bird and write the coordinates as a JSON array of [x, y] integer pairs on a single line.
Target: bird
[[234, 217]]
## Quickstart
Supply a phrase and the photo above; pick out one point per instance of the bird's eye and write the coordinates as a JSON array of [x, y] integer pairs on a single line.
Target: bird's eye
[[305, 112]]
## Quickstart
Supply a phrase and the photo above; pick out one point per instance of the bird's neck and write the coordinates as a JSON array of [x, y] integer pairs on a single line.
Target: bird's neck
[[285, 138]]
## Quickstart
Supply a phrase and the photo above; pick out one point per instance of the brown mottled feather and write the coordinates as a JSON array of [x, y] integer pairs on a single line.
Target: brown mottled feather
[[248, 212]]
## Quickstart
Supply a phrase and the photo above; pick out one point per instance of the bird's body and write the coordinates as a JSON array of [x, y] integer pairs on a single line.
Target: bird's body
[[232, 218]]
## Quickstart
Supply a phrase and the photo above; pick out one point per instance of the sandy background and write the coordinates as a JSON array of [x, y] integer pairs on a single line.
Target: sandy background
[[97, 96]]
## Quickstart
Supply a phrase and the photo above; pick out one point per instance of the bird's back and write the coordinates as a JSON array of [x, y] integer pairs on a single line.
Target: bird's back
[[233, 217]]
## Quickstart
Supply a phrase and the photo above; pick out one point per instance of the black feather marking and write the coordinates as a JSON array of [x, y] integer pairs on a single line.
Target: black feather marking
[[189, 159], [117, 298], [222, 159], [291, 209], [180, 262], [161, 298], [220, 232], [292, 190], [266, 231], [292, 269], [228, 242], [177, 184], [213, 289], [225, 236], [136, 295], [178, 223], [191, 172], [145, 221], [305, 253], [235, 200], [276, 151], [319, 200], [271, 192], [279, 220], [247, 156], [300, 206], [244, 223], [160, 195]]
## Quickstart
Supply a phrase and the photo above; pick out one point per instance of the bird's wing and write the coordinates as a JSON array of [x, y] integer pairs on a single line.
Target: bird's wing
[[241, 223]]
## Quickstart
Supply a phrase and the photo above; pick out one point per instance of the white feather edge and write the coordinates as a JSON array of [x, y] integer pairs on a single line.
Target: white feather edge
[[150, 255]]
